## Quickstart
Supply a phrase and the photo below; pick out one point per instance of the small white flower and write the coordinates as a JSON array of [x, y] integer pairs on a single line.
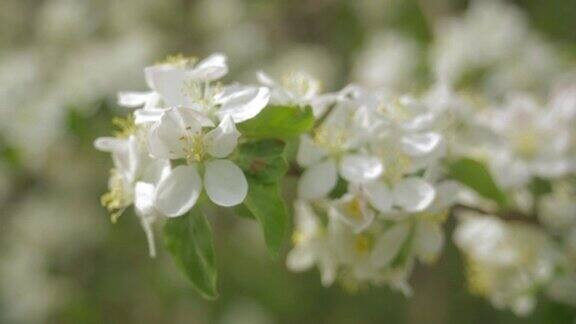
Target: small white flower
[[179, 135], [133, 180], [311, 244]]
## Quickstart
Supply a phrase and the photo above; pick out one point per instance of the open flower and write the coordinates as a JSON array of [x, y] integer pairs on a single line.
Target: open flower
[[179, 82], [179, 134], [311, 244], [133, 181]]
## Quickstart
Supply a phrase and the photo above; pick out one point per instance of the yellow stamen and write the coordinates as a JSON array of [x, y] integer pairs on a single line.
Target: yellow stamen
[[331, 140], [116, 199], [477, 278], [353, 208], [179, 60], [194, 148], [300, 84], [124, 126], [362, 243], [297, 238]]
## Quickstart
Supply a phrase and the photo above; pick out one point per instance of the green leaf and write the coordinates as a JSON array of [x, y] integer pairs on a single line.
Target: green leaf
[[243, 212], [262, 160], [477, 177], [280, 122], [540, 187], [266, 204], [189, 240]]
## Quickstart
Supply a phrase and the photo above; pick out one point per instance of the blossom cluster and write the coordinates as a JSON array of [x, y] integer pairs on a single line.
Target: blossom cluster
[[189, 118], [373, 194], [379, 169]]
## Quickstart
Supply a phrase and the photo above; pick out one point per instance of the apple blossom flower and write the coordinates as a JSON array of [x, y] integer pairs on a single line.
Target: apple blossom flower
[[179, 134]]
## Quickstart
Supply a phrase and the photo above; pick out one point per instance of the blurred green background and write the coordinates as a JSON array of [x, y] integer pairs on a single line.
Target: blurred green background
[[61, 64]]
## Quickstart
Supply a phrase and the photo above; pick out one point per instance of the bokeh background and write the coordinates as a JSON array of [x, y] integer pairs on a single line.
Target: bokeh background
[[61, 64]]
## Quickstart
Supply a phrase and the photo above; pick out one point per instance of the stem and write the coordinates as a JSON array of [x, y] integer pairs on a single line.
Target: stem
[[507, 215]]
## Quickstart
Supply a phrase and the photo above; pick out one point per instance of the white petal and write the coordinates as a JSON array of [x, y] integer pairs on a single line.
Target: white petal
[[327, 266], [353, 211], [357, 168], [421, 144], [419, 122], [446, 194], [177, 193], [110, 144], [134, 99], [300, 259], [222, 140], [308, 152], [225, 183], [266, 80], [144, 199], [413, 194], [429, 240], [318, 180], [167, 138], [156, 170], [389, 244], [244, 104], [144, 206], [170, 83], [142, 116], [379, 196], [211, 68]]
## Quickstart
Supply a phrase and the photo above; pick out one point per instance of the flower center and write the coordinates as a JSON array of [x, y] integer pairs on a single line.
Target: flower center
[[362, 243], [124, 127], [194, 148], [300, 84], [116, 199], [353, 208], [398, 165], [331, 140], [202, 94], [525, 143]]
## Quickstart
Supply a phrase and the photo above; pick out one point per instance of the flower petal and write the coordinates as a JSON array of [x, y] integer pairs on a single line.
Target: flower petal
[[243, 103], [352, 210], [318, 180], [142, 116], [211, 68], [167, 138], [110, 144], [379, 196], [358, 168], [300, 258], [222, 140], [413, 194], [308, 152], [170, 83], [421, 144], [134, 99], [177, 193], [225, 183], [429, 241], [388, 245], [144, 206], [144, 199]]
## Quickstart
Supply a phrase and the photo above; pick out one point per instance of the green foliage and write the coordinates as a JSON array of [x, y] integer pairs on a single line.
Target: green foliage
[[264, 165], [540, 187], [266, 204], [189, 240], [476, 176], [281, 122], [262, 160]]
